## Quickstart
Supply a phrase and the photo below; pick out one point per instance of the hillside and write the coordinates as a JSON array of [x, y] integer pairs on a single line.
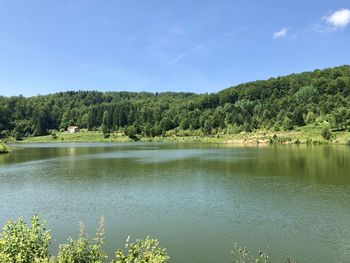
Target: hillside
[[321, 97]]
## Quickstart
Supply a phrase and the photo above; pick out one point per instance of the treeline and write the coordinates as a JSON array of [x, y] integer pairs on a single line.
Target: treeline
[[283, 103], [22, 243]]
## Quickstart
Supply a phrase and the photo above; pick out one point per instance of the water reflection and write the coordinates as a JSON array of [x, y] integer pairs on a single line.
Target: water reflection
[[197, 199]]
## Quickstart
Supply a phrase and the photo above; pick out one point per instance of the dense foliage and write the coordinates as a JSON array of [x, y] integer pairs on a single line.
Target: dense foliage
[[142, 251], [318, 97], [83, 249], [20, 243]]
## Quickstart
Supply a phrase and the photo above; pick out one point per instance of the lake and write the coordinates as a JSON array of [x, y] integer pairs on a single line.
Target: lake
[[197, 199]]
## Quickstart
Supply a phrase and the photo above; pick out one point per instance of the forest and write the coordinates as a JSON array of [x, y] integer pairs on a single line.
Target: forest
[[283, 103]]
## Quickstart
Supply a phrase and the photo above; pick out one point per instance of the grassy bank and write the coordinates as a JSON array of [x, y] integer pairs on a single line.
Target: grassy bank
[[82, 136], [301, 135]]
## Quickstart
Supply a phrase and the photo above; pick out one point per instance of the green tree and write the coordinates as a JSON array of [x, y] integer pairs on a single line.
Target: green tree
[[340, 118], [166, 124], [41, 123], [105, 128], [131, 132], [310, 118], [326, 134], [305, 94], [208, 126], [287, 124], [298, 118]]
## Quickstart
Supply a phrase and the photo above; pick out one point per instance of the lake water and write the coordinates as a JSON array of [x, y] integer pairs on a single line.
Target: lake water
[[197, 199]]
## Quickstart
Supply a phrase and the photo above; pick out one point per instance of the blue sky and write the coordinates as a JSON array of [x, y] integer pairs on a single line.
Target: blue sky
[[193, 46]]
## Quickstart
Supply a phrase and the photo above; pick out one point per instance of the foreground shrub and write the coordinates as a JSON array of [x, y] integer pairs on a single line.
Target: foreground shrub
[[84, 249], [142, 251], [20, 243], [242, 255]]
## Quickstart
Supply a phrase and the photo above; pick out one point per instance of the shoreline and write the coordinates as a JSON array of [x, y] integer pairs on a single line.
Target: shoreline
[[258, 138]]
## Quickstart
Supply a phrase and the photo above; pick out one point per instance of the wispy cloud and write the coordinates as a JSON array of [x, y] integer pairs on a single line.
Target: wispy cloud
[[178, 58], [281, 33], [178, 31], [235, 32], [338, 19], [183, 55], [199, 48]]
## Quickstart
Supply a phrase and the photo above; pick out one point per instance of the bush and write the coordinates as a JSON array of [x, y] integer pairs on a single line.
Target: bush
[[241, 255], [310, 118], [233, 129], [21, 244], [326, 134], [4, 148], [142, 251], [84, 249], [287, 124], [54, 135], [18, 136], [5, 134]]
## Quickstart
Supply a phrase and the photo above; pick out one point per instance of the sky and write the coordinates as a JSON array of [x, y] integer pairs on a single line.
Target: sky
[[162, 45]]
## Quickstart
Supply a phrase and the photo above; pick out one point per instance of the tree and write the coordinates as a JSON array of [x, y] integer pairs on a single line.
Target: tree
[[166, 124], [105, 128], [208, 126], [310, 118], [298, 118], [305, 94], [131, 132], [92, 119], [41, 123], [340, 118], [326, 134], [287, 124]]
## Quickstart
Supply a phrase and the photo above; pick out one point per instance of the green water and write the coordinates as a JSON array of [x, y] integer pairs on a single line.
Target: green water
[[197, 199]]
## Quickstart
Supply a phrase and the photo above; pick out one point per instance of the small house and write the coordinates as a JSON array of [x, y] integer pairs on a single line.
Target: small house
[[73, 129]]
